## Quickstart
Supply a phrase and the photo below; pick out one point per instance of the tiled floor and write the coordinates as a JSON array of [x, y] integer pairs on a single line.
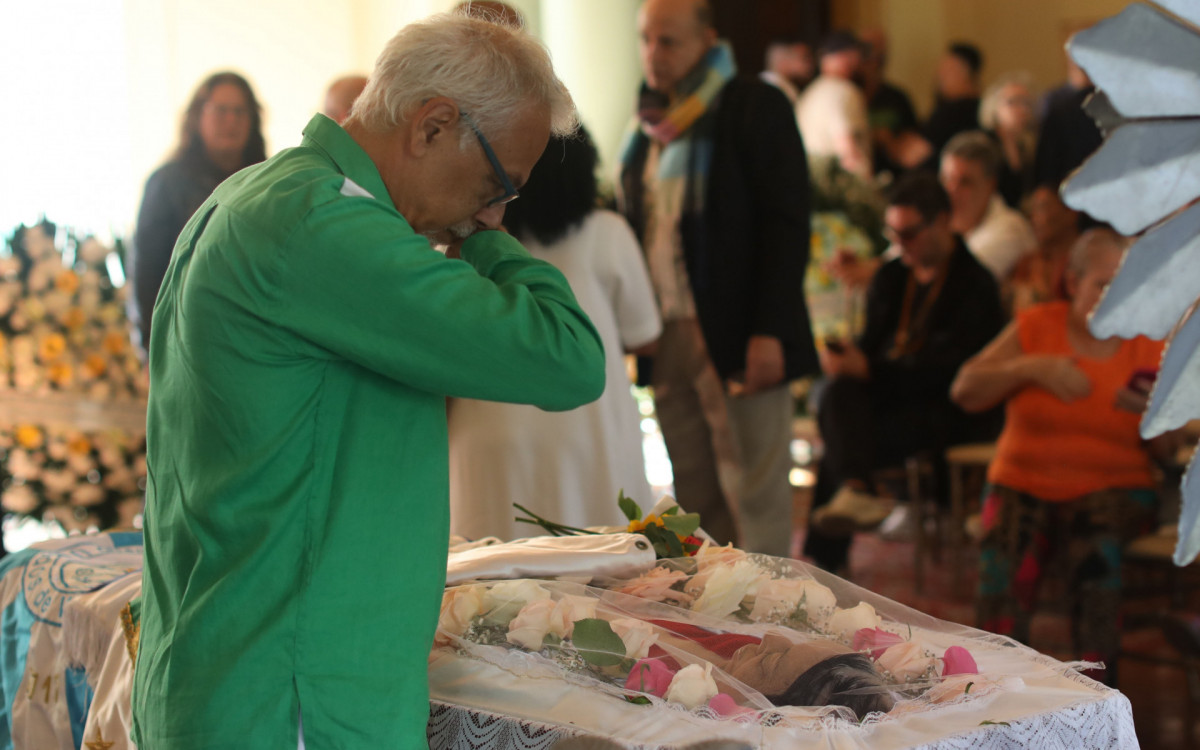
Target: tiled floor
[[1164, 716]]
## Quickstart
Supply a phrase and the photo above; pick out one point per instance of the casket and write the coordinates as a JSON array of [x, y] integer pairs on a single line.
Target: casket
[[507, 670]]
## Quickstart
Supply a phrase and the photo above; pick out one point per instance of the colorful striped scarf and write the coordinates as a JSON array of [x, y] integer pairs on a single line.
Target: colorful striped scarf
[[686, 156], [698, 90]]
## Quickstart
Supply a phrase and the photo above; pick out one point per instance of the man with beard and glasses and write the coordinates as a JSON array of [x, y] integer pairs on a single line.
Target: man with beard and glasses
[[888, 396], [304, 343]]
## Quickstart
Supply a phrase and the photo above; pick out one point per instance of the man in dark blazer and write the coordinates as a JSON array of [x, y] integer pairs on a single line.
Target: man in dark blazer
[[714, 181]]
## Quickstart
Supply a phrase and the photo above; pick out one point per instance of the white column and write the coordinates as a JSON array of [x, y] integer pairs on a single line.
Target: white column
[[594, 46]]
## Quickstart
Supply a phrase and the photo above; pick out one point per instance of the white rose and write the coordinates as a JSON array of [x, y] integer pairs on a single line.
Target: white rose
[[56, 304], [89, 299], [59, 482], [906, 661], [819, 602], [777, 599], [27, 378], [529, 628], [22, 466], [90, 251], [709, 559], [637, 635], [460, 605], [56, 449], [727, 586], [846, 622], [692, 686], [88, 494], [570, 610], [19, 499], [99, 391], [504, 600], [37, 243], [80, 463], [23, 348]]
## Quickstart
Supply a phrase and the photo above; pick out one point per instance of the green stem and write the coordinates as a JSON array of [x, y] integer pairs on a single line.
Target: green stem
[[557, 529]]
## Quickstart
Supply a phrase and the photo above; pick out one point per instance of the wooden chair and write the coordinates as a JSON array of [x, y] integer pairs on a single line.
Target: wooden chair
[[916, 482], [967, 466], [1148, 560]]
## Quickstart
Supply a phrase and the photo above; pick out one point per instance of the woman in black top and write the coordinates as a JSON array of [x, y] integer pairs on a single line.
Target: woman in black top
[[221, 133]]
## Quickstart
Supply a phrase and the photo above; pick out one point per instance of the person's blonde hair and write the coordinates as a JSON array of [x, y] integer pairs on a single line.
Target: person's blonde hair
[[489, 70], [990, 102]]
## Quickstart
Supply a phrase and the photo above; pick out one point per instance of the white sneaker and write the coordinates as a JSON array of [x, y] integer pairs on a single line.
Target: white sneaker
[[851, 510], [973, 527], [900, 525]]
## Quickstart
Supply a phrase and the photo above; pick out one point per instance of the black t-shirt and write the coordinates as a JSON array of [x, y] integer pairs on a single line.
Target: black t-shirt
[[949, 118]]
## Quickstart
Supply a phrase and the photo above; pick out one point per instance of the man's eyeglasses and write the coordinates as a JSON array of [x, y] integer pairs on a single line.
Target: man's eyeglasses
[[907, 234], [510, 191]]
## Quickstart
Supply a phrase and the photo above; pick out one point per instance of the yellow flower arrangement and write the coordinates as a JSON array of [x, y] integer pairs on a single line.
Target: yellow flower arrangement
[[63, 333]]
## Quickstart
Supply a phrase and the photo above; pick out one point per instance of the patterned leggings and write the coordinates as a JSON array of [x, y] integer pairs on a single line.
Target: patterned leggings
[[1027, 539]]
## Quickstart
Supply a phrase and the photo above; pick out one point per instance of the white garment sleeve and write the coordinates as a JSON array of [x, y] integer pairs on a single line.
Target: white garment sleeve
[[1001, 240], [633, 302]]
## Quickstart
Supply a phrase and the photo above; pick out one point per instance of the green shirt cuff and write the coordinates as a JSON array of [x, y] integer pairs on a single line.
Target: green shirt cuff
[[484, 250]]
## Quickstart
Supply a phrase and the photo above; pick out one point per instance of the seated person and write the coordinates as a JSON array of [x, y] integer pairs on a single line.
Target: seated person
[[928, 311], [1071, 477], [889, 107], [832, 112], [1040, 276], [956, 108], [998, 235], [1007, 115], [789, 66]]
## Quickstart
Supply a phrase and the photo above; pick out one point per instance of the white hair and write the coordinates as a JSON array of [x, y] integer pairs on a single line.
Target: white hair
[[490, 70]]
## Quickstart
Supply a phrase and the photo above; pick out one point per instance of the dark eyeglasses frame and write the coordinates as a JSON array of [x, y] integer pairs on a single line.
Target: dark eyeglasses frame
[[510, 191], [908, 234]]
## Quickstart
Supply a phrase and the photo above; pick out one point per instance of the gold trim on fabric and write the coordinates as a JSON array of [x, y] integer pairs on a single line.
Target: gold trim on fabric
[[132, 631]]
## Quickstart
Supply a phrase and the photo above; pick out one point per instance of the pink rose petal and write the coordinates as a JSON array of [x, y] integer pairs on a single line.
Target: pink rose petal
[[874, 640], [650, 676], [958, 660], [725, 706]]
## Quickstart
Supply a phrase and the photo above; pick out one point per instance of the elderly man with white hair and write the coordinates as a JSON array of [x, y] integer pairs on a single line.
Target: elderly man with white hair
[[305, 340]]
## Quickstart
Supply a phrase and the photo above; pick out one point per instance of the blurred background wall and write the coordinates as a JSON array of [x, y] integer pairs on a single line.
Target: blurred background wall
[[94, 89]]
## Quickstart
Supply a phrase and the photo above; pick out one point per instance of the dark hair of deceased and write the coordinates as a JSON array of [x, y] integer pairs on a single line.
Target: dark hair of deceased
[[849, 680], [561, 191]]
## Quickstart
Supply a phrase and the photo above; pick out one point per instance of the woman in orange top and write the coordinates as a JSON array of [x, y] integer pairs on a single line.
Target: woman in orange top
[[1071, 478]]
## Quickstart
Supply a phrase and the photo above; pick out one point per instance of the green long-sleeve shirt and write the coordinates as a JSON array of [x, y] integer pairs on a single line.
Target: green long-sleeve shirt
[[303, 345]]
